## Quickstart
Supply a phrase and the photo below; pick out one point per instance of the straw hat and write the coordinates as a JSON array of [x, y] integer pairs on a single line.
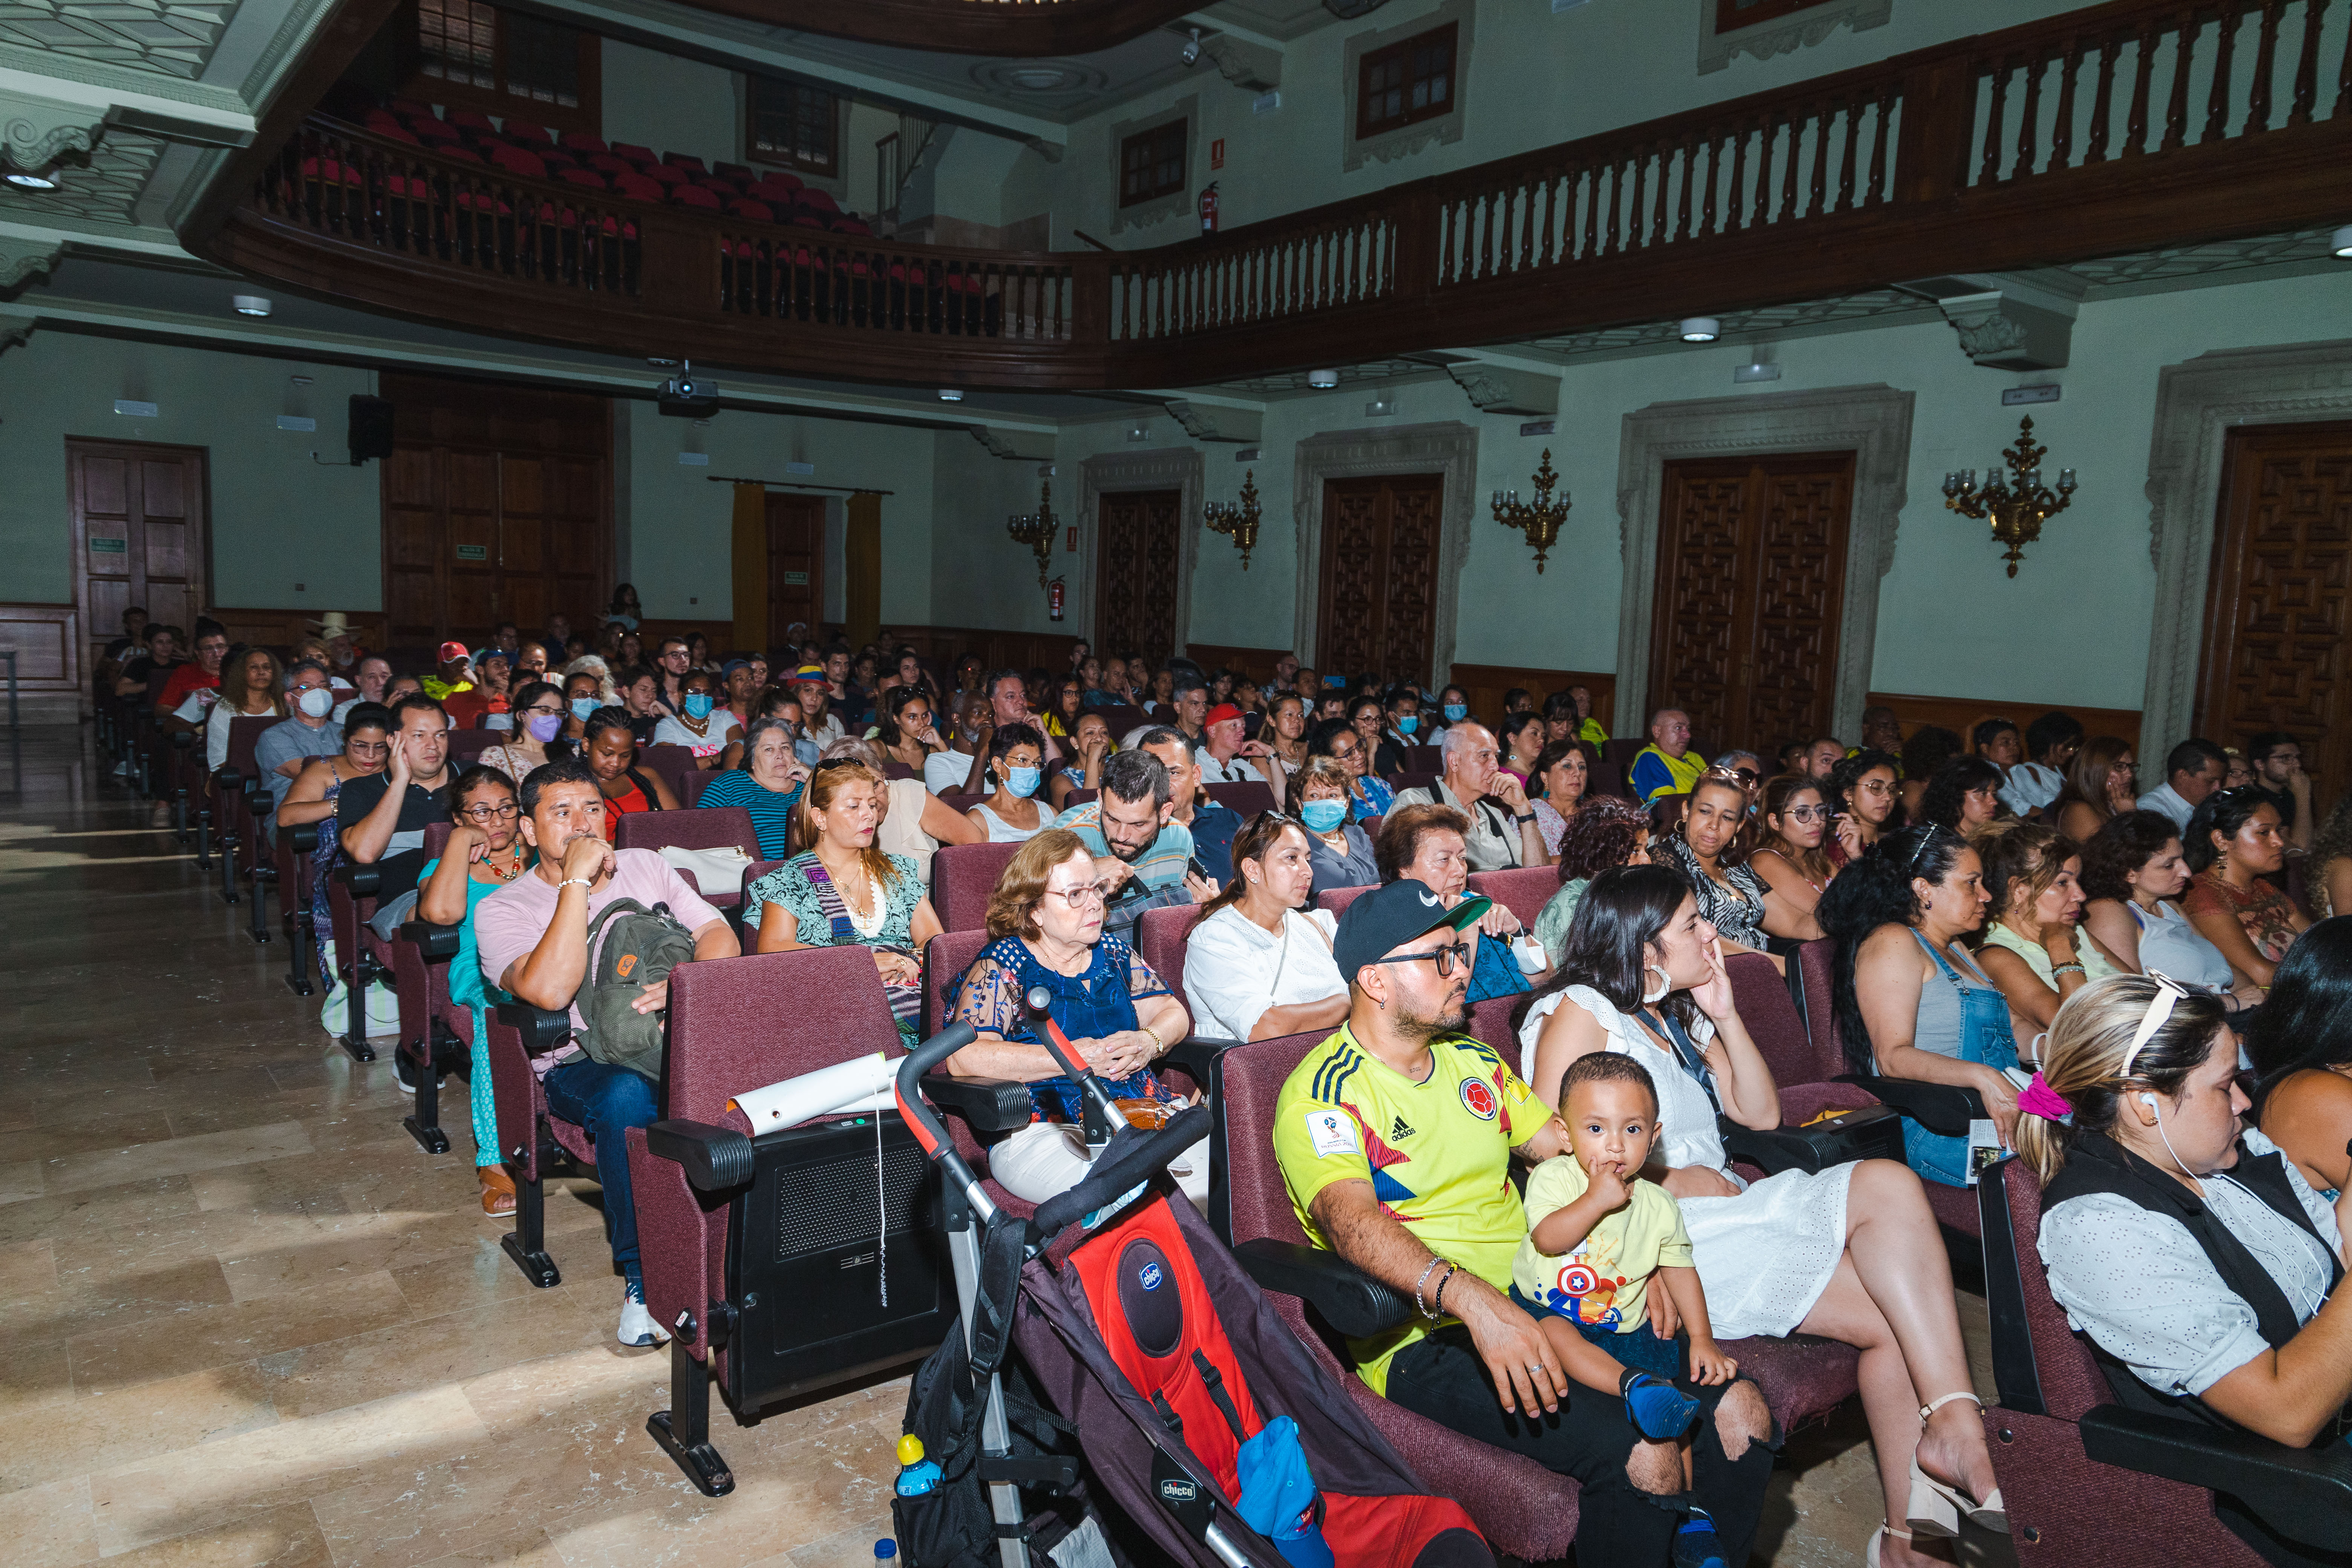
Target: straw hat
[[334, 623]]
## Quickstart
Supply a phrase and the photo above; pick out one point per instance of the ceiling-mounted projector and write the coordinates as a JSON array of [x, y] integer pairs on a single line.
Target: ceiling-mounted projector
[[683, 396]]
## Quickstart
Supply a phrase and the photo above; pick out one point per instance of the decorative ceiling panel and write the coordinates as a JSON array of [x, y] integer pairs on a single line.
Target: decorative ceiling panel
[[172, 38], [104, 190]]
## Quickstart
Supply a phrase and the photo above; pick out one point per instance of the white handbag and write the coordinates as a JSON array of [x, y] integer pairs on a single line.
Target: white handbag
[[716, 872]]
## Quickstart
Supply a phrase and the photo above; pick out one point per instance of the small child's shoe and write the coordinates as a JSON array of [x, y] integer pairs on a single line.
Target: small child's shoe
[[1657, 1410], [1696, 1545]]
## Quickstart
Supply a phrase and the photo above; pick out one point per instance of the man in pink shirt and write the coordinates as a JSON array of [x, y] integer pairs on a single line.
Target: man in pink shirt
[[533, 938]]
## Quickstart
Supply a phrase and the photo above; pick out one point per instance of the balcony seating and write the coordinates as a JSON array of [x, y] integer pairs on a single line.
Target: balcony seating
[[694, 196], [581, 142]]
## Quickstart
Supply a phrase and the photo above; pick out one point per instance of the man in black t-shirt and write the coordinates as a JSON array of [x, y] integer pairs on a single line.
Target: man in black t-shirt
[[146, 671], [383, 816]]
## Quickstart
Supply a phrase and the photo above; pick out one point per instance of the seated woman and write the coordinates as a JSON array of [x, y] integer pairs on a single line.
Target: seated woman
[[1852, 1254], [1339, 853], [772, 702], [1710, 850], [2300, 1043], [610, 748], [1558, 778], [2232, 845], [1522, 742], [1796, 823], [250, 688], [2033, 947], [1910, 1001], [313, 798], [1861, 795], [2330, 875], [1045, 920], [700, 724], [485, 851], [2196, 1260], [1606, 831], [1963, 796], [914, 822], [583, 693], [538, 722], [2102, 781], [1090, 747], [839, 890], [2133, 870], [767, 785], [1284, 733], [1929, 749], [1369, 794], [1258, 963], [1016, 766], [1427, 844], [1999, 742]]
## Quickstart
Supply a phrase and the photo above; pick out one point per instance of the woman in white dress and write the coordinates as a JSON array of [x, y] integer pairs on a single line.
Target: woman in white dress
[[1852, 1254]]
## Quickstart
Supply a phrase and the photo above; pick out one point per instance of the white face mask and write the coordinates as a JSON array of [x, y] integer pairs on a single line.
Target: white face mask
[[316, 701]]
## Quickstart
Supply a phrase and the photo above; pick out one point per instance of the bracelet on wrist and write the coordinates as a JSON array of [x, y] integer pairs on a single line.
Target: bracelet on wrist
[[1434, 1264], [1437, 1302], [2058, 969]]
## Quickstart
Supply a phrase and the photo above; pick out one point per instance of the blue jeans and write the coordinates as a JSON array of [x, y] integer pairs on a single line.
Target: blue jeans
[[608, 1100]]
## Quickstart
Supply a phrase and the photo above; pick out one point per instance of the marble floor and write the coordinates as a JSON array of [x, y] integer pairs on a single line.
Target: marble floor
[[248, 1322]]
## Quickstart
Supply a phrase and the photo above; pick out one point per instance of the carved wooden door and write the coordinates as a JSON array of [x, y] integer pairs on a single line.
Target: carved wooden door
[[137, 511], [2276, 610], [1752, 579], [1136, 556], [497, 507], [795, 563], [1377, 603]]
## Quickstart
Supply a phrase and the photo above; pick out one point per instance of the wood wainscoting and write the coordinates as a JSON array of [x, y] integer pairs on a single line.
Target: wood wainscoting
[[1962, 714], [281, 629], [52, 687], [1486, 683]]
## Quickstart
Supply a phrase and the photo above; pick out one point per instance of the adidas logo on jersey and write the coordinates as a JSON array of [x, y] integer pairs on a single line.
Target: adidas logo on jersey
[[1400, 1130]]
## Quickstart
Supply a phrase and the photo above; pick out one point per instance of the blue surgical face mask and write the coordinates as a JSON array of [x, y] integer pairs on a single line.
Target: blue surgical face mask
[[1457, 711], [1023, 782], [1322, 816], [1408, 724], [582, 707], [698, 704], [544, 727]]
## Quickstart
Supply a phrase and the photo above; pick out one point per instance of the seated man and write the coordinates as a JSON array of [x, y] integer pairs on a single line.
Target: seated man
[[1226, 757], [202, 673], [533, 938], [309, 731], [2193, 769], [1503, 832], [1211, 825], [1666, 765], [453, 686], [1140, 855], [383, 816], [1395, 1137]]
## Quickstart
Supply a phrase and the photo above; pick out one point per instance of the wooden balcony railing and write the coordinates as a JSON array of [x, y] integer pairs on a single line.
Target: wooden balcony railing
[[2127, 126]]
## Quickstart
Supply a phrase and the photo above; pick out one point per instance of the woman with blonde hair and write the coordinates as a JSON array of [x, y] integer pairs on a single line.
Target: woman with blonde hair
[[2198, 1261], [840, 891]]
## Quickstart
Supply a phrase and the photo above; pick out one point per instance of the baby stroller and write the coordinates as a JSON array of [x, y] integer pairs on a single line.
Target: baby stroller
[[1171, 1384]]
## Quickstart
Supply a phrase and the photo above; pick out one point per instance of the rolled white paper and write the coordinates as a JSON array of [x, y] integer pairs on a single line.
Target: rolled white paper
[[862, 1084]]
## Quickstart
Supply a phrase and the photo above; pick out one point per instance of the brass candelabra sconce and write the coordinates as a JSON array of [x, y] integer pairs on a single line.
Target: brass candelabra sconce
[[1036, 529], [1238, 522], [1540, 519], [2014, 501]]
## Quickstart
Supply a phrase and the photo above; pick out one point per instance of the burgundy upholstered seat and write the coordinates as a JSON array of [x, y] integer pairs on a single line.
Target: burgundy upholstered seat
[[962, 878], [1248, 798], [1523, 892], [706, 827]]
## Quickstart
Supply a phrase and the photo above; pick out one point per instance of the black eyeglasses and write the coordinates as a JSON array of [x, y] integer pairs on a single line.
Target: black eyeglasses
[[1444, 957]]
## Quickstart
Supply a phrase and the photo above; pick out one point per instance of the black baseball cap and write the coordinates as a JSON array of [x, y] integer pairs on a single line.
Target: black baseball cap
[[1382, 920]]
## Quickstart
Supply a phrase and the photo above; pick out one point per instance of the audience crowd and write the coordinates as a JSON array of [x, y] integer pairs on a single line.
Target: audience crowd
[[2139, 989]]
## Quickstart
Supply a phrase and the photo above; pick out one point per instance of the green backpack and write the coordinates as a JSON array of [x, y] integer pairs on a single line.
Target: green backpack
[[629, 948]]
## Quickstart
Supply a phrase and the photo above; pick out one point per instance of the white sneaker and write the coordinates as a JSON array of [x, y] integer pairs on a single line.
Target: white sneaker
[[637, 1325]]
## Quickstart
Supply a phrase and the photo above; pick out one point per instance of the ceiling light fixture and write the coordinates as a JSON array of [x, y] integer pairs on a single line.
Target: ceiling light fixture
[[41, 179], [950, 395], [1322, 379], [1700, 329], [250, 304], [2342, 242], [1193, 49]]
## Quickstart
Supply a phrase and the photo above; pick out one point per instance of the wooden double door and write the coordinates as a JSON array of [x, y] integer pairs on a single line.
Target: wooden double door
[[1137, 548], [497, 507], [139, 536], [2279, 600], [795, 564], [1751, 584], [1377, 595]]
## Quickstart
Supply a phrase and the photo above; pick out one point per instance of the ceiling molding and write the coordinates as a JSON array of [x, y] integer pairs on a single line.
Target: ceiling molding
[[963, 26]]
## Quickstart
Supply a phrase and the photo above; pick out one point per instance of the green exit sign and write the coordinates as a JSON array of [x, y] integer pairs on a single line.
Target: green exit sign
[[473, 552], [103, 546], [795, 579]]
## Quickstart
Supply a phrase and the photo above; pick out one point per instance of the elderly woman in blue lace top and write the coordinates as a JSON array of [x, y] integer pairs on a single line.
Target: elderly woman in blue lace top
[[1045, 919]]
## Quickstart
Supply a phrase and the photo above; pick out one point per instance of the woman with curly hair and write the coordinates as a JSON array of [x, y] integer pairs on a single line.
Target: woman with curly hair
[[2034, 946], [1962, 797], [2133, 874], [1862, 796], [1605, 831], [2232, 846]]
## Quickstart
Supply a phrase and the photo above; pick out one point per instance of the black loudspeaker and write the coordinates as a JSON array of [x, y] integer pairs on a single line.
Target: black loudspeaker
[[371, 428]]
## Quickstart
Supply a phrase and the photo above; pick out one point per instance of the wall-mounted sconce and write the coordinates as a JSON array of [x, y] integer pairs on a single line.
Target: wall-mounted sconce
[[1238, 522], [1036, 529], [1540, 520], [2014, 502]]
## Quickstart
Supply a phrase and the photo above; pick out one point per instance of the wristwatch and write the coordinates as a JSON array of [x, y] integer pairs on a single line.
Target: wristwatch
[[1523, 817]]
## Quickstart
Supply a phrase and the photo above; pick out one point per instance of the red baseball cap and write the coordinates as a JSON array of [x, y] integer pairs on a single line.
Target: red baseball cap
[[450, 650], [1219, 713]]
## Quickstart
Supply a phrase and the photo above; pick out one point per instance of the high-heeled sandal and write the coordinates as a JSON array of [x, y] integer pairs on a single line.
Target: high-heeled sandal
[[1935, 1508], [1870, 1552]]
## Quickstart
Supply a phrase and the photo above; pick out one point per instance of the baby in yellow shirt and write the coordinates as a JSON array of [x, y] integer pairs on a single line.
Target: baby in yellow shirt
[[1598, 1236]]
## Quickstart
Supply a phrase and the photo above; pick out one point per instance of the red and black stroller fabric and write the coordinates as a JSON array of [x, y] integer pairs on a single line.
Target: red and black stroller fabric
[[1146, 1336]]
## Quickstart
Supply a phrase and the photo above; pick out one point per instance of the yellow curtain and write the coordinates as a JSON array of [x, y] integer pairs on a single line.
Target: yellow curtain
[[750, 566], [862, 550]]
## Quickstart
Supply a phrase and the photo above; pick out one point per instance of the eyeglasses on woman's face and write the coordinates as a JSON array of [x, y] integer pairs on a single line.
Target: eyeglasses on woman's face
[[1807, 813], [1086, 895], [504, 811]]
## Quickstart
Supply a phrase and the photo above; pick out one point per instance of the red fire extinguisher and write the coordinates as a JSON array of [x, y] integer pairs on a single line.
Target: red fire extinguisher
[[1054, 599], [1209, 209]]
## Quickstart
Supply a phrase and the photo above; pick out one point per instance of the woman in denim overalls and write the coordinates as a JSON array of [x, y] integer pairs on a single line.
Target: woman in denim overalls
[[1910, 1004]]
